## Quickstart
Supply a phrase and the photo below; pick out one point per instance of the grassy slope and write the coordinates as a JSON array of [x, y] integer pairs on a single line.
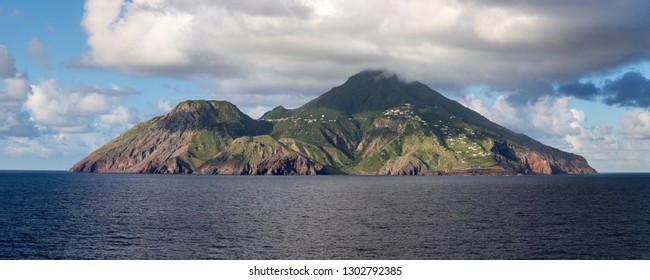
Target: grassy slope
[[352, 112]]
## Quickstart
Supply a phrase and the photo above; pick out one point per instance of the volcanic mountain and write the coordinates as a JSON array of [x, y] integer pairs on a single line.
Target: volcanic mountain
[[374, 123]]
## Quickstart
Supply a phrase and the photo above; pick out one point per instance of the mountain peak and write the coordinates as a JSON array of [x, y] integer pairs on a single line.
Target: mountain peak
[[199, 114], [195, 106], [204, 114], [380, 75], [277, 112], [374, 90]]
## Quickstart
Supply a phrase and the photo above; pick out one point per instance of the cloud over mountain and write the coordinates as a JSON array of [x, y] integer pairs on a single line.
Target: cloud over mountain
[[499, 43]]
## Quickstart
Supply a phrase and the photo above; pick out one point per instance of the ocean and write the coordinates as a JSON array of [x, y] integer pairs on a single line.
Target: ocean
[[59, 215]]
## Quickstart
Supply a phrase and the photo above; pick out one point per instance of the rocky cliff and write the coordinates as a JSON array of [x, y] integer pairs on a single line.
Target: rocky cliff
[[261, 155], [523, 161]]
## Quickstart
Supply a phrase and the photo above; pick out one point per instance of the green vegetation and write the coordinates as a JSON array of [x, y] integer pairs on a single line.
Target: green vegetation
[[374, 123]]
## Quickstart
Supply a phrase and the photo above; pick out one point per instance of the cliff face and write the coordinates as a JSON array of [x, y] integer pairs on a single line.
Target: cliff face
[[133, 152], [521, 161], [261, 155], [402, 166], [374, 123]]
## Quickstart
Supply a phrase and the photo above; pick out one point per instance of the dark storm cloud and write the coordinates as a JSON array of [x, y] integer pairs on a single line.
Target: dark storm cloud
[[630, 90], [587, 91], [529, 93]]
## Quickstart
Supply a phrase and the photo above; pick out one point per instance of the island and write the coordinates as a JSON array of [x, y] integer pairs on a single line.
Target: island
[[375, 123]]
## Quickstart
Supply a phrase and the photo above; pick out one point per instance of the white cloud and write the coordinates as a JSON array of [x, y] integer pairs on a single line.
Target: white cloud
[[27, 147], [38, 52], [75, 111], [54, 145], [118, 117], [151, 36], [47, 121], [7, 68], [28, 111], [258, 111], [253, 99], [52, 106], [253, 47], [164, 106], [16, 123], [554, 116], [636, 125], [501, 112], [13, 120], [552, 121], [13, 93], [597, 143], [547, 117]]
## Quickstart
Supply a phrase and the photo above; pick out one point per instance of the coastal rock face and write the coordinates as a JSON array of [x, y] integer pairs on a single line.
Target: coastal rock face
[[135, 153], [403, 166], [534, 163], [520, 161], [374, 123], [260, 155]]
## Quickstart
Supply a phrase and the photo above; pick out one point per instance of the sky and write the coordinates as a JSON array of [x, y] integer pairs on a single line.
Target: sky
[[75, 74]]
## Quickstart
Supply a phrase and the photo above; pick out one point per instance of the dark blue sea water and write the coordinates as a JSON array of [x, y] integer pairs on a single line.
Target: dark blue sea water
[[58, 215]]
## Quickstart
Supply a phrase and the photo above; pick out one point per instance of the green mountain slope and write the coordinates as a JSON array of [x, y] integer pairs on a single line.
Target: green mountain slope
[[374, 123], [178, 142]]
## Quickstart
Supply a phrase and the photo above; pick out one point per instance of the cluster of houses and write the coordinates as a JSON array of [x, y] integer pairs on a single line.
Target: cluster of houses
[[404, 111], [311, 119], [457, 138], [471, 149]]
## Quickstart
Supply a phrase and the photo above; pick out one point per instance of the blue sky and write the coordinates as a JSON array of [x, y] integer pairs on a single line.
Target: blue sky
[[75, 74]]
